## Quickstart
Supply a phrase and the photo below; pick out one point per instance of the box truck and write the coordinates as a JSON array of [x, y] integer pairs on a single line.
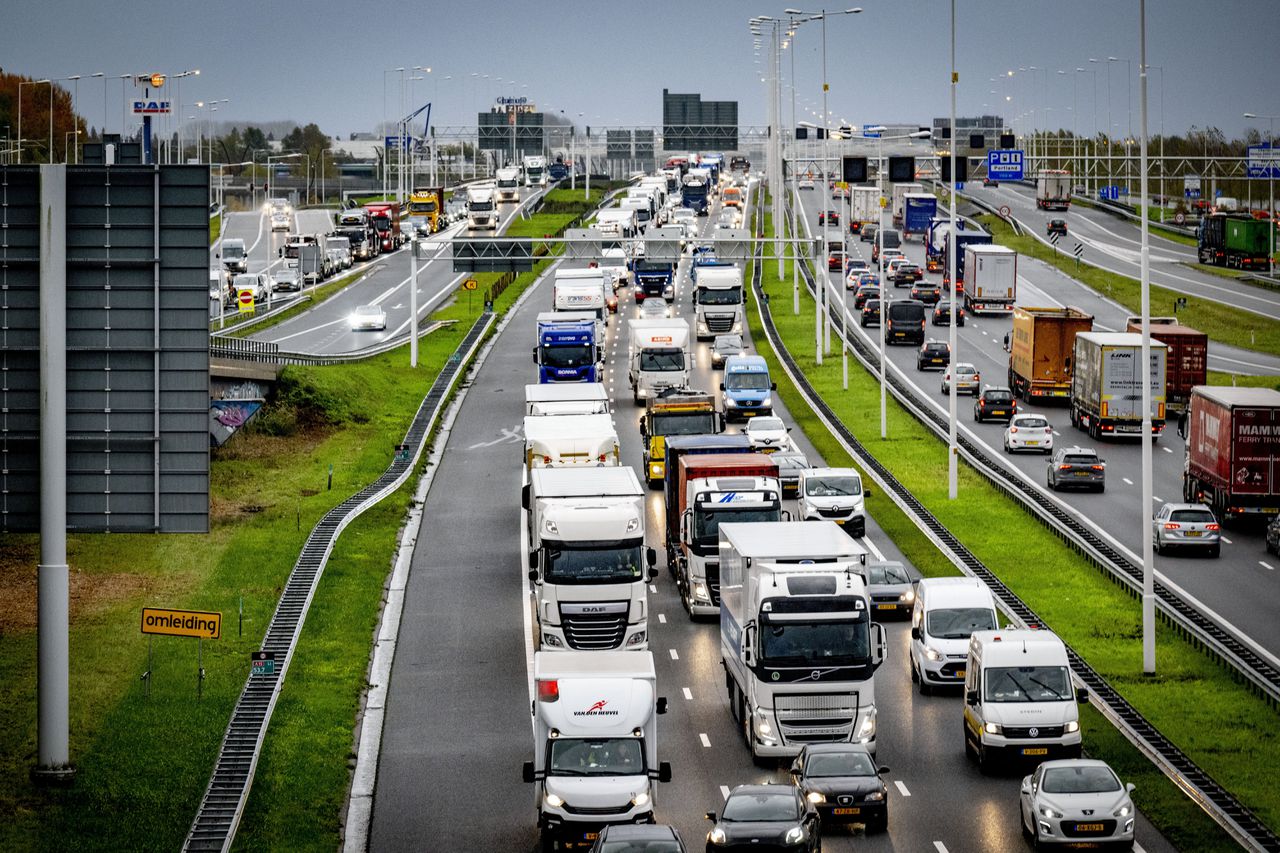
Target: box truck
[[899, 200], [1053, 189], [1042, 345], [1106, 384], [659, 357], [918, 210], [718, 301]]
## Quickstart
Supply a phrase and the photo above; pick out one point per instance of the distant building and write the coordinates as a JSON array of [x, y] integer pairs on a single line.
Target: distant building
[[989, 126], [692, 124]]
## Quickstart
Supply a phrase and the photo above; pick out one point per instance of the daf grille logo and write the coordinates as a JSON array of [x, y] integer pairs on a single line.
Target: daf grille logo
[[598, 609], [1033, 731]]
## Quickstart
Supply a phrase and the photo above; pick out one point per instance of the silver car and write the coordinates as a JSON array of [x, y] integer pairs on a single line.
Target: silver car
[[287, 279], [1186, 526], [791, 462], [368, 317], [724, 346], [1076, 800], [890, 587]]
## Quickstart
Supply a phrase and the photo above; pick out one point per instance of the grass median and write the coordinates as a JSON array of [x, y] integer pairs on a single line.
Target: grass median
[[215, 229], [1195, 702]]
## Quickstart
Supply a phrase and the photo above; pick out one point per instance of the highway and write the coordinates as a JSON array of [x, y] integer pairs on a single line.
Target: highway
[[1241, 586], [263, 245], [457, 723]]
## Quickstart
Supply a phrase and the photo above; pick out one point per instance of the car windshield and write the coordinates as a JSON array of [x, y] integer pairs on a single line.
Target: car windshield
[[835, 486], [839, 764], [575, 355], [726, 296], [762, 806], [368, 311], [229, 251], [685, 423], [1028, 684], [1192, 516], [706, 522], [958, 623], [1090, 779], [1031, 423], [728, 342], [642, 845], [596, 757], [766, 425], [814, 644], [747, 382], [887, 574], [661, 360], [582, 563]]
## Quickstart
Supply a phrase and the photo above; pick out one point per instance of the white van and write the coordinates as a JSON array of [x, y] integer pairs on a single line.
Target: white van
[[1019, 702], [946, 613]]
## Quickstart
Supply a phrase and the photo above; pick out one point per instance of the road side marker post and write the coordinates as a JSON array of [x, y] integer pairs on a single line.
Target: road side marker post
[[1078, 250], [201, 624]]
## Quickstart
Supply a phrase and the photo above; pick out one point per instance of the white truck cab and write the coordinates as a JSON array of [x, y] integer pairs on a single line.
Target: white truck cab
[[1019, 702], [718, 301], [946, 613], [508, 184], [566, 398], [659, 357], [482, 210], [835, 494]]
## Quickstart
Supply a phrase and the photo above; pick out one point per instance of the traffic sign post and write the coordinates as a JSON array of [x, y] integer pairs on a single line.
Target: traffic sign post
[[244, 299], [469, 285], [201, 624], [262, 664], [1005, 164], [1078, 251]]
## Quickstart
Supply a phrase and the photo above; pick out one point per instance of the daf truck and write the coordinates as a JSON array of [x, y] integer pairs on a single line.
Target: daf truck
[[587, 558], [718, 301], [659, 357], [507, 186], [797, 641], [1106, 384], [535, 170], [482, 212], [595, 743]]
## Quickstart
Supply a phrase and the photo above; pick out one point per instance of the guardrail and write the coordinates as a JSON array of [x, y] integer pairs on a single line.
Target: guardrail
[[266, 352], [222, 806], [1222, 806]]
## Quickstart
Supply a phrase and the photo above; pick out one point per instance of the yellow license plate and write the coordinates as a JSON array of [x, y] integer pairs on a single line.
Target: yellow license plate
[[1032, 443], [846, 811], [1192, 533], [886, 607], [590, 836], [1035, 750], [960, 673], [1089, 827]]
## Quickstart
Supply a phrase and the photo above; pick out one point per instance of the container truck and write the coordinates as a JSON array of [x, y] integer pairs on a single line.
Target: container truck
[[1187, 366], [595, 743], [587, 557], [1106, 384], [569, 348], [717, 299], [864, 207], [796, 637], [693, 193], [1234, 240], [535, 170], [659, 357], [565, 398], [569, 440], [507, 187], [482, 212], [672, 414], [425, 206], [1042, 345], [991, 279], [918, 210], [1232, 461], [963, 240], [711, 490], [385, 218], [899, 201], [1053, 189]]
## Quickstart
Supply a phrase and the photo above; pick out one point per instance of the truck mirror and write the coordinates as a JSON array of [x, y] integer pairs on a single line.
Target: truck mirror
[[1082, 696], [524, 497], [280, 252], [535, 355], [217, 254], [533, 573], [720, 422], [773, 386], [711, 816], [866, 493], [527, 771], [915, 633], [660, 706], [786, 515], [651, 556], [971, 697], [748, 645], [652, 574], [643, 431], [878, 644]]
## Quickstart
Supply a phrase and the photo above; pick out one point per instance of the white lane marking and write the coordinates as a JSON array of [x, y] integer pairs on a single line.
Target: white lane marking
[[1266, 565], [1139, 848], [1157, 499], [871, 546], [1127, 480], [674, 654], [662, 618], [1166, 450], [1055, 432], [902, 789], [706, 741], [688, 694], [940, 847], [724, 791], [653, 589], [1224, 539]]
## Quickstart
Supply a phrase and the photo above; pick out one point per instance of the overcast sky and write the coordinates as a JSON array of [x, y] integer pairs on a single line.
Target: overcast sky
[[324, 61]]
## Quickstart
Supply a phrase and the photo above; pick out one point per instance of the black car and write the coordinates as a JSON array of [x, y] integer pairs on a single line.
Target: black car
[[765, 817], [927, 292], [906, 273], [638, 838], [870, 313], [990, 182], [831, 216], [942, 314], [1057, 226], [1273, 536], [933, 354], [843, 782], [865, 292], [994, 403]]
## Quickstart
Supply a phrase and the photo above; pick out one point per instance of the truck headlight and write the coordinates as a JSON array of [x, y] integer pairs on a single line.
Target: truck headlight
[[700, 592], [1073, 726], [868, 728], [633, 524], [636, 639], [552, 640], [730, 403], [795, 835], [641, 799], [549, 526], [764, 731], [554, 801], [932, 654]]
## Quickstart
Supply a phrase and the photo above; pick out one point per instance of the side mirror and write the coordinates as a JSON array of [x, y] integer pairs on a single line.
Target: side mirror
[[882, 770], [748, 645], [664, 771], [1082, 696], [711, 816], [535, 355], [915, 633], [533, 573], [217, 255], [651, 556], [660, 706], [721, 386], [524, 497], [652, 574], [866, 493], [878, 644], [795, 767], [527, 771], [1130, 787], [971, 697], [643, 430], [720, 422], [1026, 784], [788, 429], [773, 386]]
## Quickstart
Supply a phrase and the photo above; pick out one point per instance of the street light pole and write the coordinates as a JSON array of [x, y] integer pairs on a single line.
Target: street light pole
[[1271, 173], [952, 445], [1148, 557]]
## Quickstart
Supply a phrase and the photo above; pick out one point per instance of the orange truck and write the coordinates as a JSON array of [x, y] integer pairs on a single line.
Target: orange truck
[[1041, 346], [732, 197]]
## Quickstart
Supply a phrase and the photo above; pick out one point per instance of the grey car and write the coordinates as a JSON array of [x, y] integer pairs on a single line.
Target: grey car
[[1077, 468], [724, 346], [790, 463], [1186, 526], [890, 587]]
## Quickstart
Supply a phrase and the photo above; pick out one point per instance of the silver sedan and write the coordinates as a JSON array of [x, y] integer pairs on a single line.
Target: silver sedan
[[1076, 800]]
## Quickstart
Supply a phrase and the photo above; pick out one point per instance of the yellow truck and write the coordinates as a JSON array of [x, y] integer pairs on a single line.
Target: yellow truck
[[681, 412], [425, 206]]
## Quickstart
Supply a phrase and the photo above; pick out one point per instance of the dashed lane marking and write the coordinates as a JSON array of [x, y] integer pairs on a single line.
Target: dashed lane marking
[[653, 589], [940, 847], [674, 654], [902, 789], [1266, 565], [1127, 480], [688, 694], [706, 741], [724, 791], [662, 618]]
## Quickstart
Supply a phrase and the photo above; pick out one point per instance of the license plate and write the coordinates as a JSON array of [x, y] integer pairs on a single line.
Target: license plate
[[846, 811], [590, 836], [1032, 443], [1035, 750], [886, 607], [999, 412], [1192, 533], [1082, 473], [1089, 827]]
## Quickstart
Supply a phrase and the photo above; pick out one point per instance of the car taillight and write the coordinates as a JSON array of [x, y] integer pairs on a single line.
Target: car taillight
[[1064, 467], [1048, 430], [1097, 467], [1169, 525], [548, 690], [1211, 527], [1013, 429]]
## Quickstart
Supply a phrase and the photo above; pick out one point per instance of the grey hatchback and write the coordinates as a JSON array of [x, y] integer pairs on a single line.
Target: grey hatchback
[[1076, 467], [1186, 526]]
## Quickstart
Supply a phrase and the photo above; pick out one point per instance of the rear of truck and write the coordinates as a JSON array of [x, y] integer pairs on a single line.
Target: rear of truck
[[1042, 341], [1233, 451]]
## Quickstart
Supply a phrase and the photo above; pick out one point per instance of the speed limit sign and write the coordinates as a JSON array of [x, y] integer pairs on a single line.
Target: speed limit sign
[[1004, 211], [244, 299], [1179, 218]]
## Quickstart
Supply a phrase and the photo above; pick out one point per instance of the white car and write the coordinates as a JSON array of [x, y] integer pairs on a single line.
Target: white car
[[968, 379], [805, 184], [1028, 432], [368, 317], [655, 309], [280, 221], [767, 433], [1076, 800]]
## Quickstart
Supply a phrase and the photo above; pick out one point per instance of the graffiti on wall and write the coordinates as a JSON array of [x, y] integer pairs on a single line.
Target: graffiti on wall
[[227, 416]]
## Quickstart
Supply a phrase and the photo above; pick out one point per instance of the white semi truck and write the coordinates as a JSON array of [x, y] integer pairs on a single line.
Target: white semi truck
[[659, 357], [535, 170], [990, 278], [798, 644], [508, 184], [587, 557], [595, 743], [482, 211], [569, 440], [718, 301], [566, 398]]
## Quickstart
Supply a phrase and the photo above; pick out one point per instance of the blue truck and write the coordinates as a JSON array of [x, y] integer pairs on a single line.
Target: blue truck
[[693, 194], [653, 278], [918, 210], [962, 238], [568, 349], [558, 171]]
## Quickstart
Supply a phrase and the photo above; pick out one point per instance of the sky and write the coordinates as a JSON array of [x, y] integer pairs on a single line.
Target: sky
[[606, 63]]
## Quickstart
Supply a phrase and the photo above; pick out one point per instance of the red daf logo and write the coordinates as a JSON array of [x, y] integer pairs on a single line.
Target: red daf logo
[[598, 706]]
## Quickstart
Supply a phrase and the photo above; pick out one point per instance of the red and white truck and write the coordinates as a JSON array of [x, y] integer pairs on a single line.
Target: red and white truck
[[386, 224], [1233, 451]]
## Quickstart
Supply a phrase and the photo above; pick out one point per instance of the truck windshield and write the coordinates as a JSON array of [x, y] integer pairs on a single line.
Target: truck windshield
[[382, 223], [959, 622], [481, 206], [685, 423], [747, 382], [620, 756], [592, 564], [507, 183], [706, 522], [661, 360], [814, 644], [652, 266], [727, 296], [574, 355], [421, 207], [1028, 684]]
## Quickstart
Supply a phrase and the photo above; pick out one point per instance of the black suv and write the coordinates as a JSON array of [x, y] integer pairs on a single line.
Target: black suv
[[933, 354], [1076, 467], [1057, 226], [994, 403]]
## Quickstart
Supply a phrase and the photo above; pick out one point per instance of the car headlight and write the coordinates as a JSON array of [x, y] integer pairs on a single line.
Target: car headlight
[[1073, 726], [717, 836], [640, 799], [908, 596], [794, 835], [874, 796], [1124, 811], [932, 654], [1048, 811], [816, 797], [554, 801], [994, 729], [730, 403]]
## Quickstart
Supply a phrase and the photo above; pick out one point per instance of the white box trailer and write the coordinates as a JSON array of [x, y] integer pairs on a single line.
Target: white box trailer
[[990, 278], [582, 289], [587, 557], [595, 742], [566, 398], [796, 635], [1106, 383], [900, 192], [864, 204], [659, 358]]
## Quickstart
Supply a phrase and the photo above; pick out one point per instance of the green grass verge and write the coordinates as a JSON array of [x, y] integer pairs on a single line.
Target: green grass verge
[[1154, 222], [1223, 323], [215, 229], [1218, 378], [1226, 729]]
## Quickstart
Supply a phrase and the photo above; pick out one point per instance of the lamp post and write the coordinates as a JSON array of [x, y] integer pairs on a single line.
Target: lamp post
[[1148, 557], [953, 450], [177, 78], [1271, 173], [1128, 64]]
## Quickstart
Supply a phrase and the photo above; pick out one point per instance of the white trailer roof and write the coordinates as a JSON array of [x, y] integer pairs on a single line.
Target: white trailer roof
[[567, 426], [1118, 339], [575, 664], [565, 392], [584, 482], [792, 540]]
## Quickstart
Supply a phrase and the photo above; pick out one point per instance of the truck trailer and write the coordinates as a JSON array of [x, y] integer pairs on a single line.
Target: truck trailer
[[991, 279], [1106, 384], [1188, 364], [1232, 461], [899, 200], [1234, 240], [1053, 189], [918, 210], [1042, 345]]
